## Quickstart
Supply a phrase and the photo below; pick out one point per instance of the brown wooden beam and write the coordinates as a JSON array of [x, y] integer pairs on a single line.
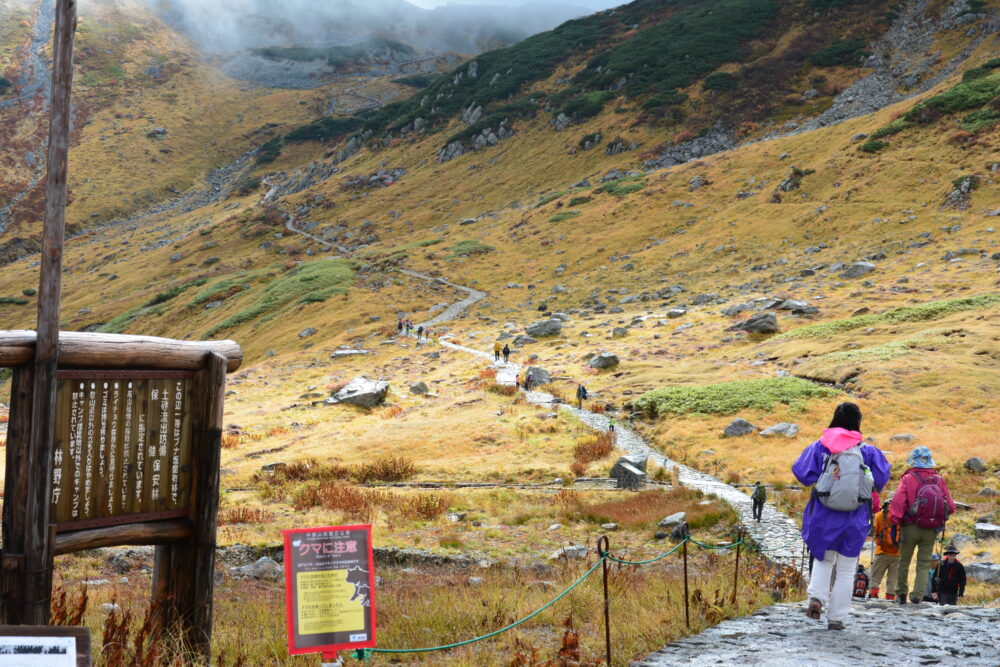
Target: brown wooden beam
[[111, 351], [150, 532]]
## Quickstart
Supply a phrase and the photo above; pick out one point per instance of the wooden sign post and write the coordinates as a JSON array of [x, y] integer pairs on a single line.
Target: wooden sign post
[[135, 460]]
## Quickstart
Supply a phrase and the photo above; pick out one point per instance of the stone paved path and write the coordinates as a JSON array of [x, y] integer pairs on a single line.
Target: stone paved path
[[878, 633], [777, 535]]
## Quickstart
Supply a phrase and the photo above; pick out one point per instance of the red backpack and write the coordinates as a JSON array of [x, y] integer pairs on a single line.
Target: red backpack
[[930, 506]]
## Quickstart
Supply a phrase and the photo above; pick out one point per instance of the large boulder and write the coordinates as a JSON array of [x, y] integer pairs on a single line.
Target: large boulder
[[537, 376], [985, 572], [629, 472], [987, 531], [784, 428], [738, 427], [857, 270], [604, 360], [571, 552], [762, 323], [545, 328], [361, 391]]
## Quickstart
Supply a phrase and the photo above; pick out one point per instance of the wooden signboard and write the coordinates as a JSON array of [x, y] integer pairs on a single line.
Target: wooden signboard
[[329, 589], [122, 451]]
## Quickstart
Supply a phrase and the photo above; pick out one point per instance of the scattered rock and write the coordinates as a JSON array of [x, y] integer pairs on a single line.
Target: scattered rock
[[988, 492], [524, 340], [571, 552], [673, 520], [987, 531], [903, 437], [537, 376], [419, 388], [986, 572], [762, 323], [975, 464], [674, 313], [738, 427], [619, 332], [308, 331], [784, 428], [263, 568], [603, 360], [857, 270], [609, 526], [545, 328]]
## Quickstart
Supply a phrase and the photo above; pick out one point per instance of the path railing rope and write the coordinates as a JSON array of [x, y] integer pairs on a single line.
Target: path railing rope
[[604, 556]]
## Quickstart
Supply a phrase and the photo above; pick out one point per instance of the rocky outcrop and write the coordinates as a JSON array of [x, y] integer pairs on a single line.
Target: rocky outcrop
[[717, 140], [488, 136]]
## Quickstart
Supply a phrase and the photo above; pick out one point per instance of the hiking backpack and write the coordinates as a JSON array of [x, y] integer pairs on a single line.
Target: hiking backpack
[[759, 494], [845, 483], [860, 585], [929, 508]]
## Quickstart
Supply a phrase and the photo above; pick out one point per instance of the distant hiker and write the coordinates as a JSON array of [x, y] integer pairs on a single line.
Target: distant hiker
[[860, 582], [929, 584], [420, 332], [496, 351], [427, 333], [886, 558], [506, 353], [835, 523], [759, 497], [527, 380], [921, 506], [399, 326], [611, 424], [949, 584], [581, 395]]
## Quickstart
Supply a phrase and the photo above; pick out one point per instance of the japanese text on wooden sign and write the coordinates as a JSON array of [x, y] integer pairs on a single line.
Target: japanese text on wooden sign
[[122, 450], [329, 589]]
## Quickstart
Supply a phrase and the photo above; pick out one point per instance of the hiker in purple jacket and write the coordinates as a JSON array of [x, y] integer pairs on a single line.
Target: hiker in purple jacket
[[835, 537]]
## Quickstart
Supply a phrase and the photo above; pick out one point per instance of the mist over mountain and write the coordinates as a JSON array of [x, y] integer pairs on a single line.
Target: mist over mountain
[[221, 26]]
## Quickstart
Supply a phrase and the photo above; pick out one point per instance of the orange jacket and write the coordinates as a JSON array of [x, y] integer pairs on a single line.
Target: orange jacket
[[882, 533]]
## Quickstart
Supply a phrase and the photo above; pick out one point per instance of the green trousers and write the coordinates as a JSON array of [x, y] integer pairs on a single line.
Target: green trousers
[[922, 541]]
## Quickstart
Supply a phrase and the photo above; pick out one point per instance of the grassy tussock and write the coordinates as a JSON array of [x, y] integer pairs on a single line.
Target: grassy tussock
[[646, 508], [726, 398], [359, 504], [925, 311]]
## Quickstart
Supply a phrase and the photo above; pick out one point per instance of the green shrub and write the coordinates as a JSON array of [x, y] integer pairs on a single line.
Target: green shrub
[[976, 73], [578, 201], [726, 398], [247, 184], [5, 83], [965, 96], [565, 215], [974, 7], [892, 128], [980, 120], [310, 282], [586, 105], [925, 311], [661, 100], [171, 293], [841, 52], [29, 291], [324, 129], [12, 301], [270, 151], [469, 248], [623, 186], [719, 81], [873, 145]]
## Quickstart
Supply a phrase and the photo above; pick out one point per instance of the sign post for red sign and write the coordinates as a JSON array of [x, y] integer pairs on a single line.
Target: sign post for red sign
[[329, 589]]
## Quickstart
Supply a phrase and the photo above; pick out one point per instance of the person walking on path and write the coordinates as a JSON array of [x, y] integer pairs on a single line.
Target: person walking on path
[[920, 506], [759, 497], [835, 524], [581, 394], [886, 558], [420, 332], [949, 584], [929, 584], [506, 353], [496, 351]]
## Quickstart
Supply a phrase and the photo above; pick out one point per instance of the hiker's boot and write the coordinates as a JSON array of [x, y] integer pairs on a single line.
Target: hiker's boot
[[890, 597], [900, 600], [873, 593], [814, 609], [835, 625]]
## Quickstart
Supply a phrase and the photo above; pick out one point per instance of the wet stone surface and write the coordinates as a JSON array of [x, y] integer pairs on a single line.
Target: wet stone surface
[[877, 633]]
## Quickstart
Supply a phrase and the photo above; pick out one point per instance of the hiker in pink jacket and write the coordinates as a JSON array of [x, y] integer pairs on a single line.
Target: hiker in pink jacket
[[921, 506], [846, 471]]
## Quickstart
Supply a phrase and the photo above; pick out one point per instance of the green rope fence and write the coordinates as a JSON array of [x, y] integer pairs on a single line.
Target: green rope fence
[[366, 653]]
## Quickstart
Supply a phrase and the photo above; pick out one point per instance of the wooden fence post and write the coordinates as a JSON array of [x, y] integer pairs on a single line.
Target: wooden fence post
[[184, 573]]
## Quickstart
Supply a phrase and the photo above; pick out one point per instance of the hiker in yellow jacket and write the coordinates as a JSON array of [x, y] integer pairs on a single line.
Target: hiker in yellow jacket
[[886, 560], [496, 351]]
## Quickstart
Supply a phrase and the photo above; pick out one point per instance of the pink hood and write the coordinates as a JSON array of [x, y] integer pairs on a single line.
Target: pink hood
[[838, 440]]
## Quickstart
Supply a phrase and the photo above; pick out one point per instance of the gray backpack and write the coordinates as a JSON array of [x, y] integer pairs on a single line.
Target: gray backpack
[[846, 483]]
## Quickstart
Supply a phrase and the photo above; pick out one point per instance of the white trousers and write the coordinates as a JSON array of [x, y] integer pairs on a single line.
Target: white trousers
[[835, 572]]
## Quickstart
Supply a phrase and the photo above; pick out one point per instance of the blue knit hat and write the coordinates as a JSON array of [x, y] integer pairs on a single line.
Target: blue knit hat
[[920, 457]]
